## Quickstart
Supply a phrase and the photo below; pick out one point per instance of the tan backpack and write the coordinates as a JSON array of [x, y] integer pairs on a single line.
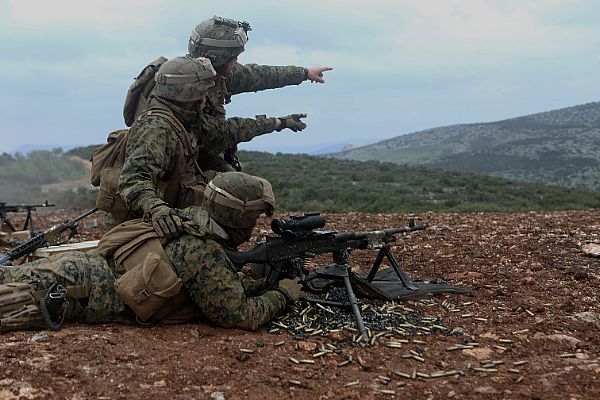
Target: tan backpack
[[107, 164], [137, 95]]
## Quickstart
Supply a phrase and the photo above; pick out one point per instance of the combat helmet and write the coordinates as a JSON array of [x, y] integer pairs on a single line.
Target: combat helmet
[[218, 39], [184, 79], [235, 200]]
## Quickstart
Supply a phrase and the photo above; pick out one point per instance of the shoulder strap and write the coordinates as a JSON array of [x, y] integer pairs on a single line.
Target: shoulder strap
[[182, 133]]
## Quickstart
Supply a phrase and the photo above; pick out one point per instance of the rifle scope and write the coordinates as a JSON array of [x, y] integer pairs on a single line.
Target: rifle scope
[[298, 223]]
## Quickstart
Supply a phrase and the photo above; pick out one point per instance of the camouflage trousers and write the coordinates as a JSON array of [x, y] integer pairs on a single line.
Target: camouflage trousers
[[215, 287], [73, 269]]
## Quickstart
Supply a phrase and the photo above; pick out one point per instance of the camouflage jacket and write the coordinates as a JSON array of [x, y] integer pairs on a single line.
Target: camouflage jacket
[[250, 78], [157, 164], [216, 289]]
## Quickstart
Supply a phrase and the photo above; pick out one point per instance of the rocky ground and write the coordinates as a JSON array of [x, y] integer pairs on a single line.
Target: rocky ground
[[529, 329]]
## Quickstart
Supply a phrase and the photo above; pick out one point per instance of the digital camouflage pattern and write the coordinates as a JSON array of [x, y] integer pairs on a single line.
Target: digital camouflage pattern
[[216, 135], [70, 269], [250, 78], [244, 79], [222, 298], [151, 157], [214, 286]]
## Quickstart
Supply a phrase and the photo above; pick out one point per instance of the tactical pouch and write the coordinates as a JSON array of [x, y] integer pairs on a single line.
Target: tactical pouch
[[112, 154], [148, 286], [18, 308], [108, 198]]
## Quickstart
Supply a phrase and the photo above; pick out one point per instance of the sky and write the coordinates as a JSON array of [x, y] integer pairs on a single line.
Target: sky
[[400, 66]]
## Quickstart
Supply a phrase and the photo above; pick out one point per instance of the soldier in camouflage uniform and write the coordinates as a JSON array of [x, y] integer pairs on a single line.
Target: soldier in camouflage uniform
[[160, 173], [210, 284], [222, 40]]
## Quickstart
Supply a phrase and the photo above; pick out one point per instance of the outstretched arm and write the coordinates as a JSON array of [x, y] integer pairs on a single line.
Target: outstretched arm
[[218, 135], [254, 77]]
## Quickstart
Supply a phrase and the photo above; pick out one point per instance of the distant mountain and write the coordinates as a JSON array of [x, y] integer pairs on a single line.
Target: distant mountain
[[560, 147]]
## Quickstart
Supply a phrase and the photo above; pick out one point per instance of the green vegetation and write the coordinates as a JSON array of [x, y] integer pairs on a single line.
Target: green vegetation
[[559, 147], [22, 176], [308, 183]]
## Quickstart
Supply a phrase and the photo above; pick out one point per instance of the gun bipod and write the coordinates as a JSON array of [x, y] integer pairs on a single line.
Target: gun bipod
[[336, 272], [343, 272]]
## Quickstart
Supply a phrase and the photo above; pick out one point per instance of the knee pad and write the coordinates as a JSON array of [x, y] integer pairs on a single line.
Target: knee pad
[[18, 308]]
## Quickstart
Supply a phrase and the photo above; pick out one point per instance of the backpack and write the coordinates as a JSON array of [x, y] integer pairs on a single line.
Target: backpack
[[140, 89], [108, 160]]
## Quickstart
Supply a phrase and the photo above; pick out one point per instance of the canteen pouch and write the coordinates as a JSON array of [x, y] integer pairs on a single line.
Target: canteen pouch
[[148, 286]]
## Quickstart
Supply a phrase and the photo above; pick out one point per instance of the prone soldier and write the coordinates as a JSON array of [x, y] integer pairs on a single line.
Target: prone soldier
[[136, 275]]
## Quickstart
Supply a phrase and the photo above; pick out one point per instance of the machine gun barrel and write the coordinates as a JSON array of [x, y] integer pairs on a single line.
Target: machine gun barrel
[[22, 207], [41, 239]]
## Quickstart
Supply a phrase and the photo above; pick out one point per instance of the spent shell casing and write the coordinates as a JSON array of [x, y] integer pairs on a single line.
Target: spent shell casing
[[522, 362], [295, 361], [353, 383], [306, 361], [505, 341], [344, 363], [519, 379], [485, 369], [279, 343], [294, 382], [568, 355], [247, 350], [384, 378], [386, 391], [514, 370], [320, 354], [402, 374]]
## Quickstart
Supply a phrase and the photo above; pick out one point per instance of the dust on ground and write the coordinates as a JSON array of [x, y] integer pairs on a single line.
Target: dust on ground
[[529, 329]]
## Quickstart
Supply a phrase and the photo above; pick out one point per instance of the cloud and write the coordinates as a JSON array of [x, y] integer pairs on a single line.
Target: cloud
[[103, 15]]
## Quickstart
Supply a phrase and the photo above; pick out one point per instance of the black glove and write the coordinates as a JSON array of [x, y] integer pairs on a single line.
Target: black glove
[[166, 221], [292, 122]]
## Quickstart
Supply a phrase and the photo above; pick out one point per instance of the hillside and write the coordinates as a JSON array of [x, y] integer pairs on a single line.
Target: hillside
[[560, 147], [304, 182]]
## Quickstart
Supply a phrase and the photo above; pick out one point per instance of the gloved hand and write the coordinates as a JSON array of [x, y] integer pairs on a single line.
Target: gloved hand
[[292, 289], [167, 221], [292, 122]]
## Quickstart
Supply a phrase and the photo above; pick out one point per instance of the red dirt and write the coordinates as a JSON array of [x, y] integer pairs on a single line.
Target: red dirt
[[534, 298]]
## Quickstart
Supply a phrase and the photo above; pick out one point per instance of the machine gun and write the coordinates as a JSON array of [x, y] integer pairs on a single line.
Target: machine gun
[[297, 240], [48, 237], [4, 209]]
